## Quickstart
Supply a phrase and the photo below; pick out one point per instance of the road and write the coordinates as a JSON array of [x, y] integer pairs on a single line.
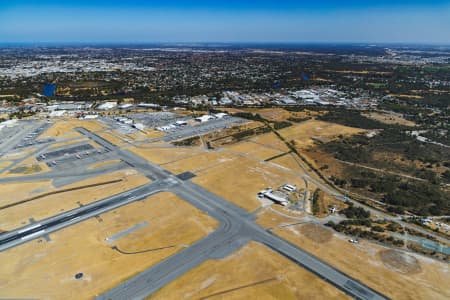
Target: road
[[236, 228]]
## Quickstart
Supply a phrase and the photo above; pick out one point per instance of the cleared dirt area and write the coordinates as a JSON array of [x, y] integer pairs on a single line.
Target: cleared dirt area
[[64, 128], [46, 270], [253, 272], [316, 233], [363, 262], [42, 208], [389, 119], [240, 179], [305, 133], [400, 261]]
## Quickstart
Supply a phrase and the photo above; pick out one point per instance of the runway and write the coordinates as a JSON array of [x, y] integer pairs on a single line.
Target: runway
[[236, 228]]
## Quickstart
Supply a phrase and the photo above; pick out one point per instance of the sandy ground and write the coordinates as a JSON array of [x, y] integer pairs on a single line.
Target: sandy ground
[[253, 272], [240, 179], [45, 270], [18, 216], [305, 133], [64, 128], [390, 119], [364, 262]]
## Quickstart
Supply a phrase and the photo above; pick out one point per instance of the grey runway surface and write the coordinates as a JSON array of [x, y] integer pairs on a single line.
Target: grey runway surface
[[236, 228]]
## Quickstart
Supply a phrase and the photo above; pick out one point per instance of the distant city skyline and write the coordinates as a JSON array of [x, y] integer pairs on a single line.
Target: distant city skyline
[[139, 21]]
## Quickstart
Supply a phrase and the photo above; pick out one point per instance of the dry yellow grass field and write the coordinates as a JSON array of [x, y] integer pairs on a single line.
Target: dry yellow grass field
[[67, 143], [103, 164], [261, 147], [253, 272], [270, 140], [64, 128], [255, 149], [390, 119], [416, 97], [12, 192], [165, 155], [30, 166], [200, 162], [45, 270], [114, 139], [364, 262], [4, 164], [267, 218], [146, 134], [39, 209], [18, 154], [305, 133], [240, 179]]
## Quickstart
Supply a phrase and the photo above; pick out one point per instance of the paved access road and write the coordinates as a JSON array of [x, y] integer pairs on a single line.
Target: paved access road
[[236, 228]]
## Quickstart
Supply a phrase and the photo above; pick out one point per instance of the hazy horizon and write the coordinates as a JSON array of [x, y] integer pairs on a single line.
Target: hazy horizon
[[156, 22]]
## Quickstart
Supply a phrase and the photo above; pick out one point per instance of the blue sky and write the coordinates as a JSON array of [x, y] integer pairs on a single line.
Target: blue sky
[[414, 21]]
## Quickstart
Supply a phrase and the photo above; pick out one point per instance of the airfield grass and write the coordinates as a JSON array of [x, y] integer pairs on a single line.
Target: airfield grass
[[104, 164], [68, 143], [64, 128], [257, 149], [112, 138], [367, 262], [196, 164], [17, 216], [27, 167], [240, 179], [4, 164], [268, 218], [46, 270], [389, 118], [305, 133], [253, 272], [165, 155]]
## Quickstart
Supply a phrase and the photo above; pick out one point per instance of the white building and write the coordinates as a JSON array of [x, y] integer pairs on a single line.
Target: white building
[[107, 106], [204, 118]]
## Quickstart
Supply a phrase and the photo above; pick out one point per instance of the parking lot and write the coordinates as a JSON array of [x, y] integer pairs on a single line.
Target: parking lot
[[75, 156], [64, 152]]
